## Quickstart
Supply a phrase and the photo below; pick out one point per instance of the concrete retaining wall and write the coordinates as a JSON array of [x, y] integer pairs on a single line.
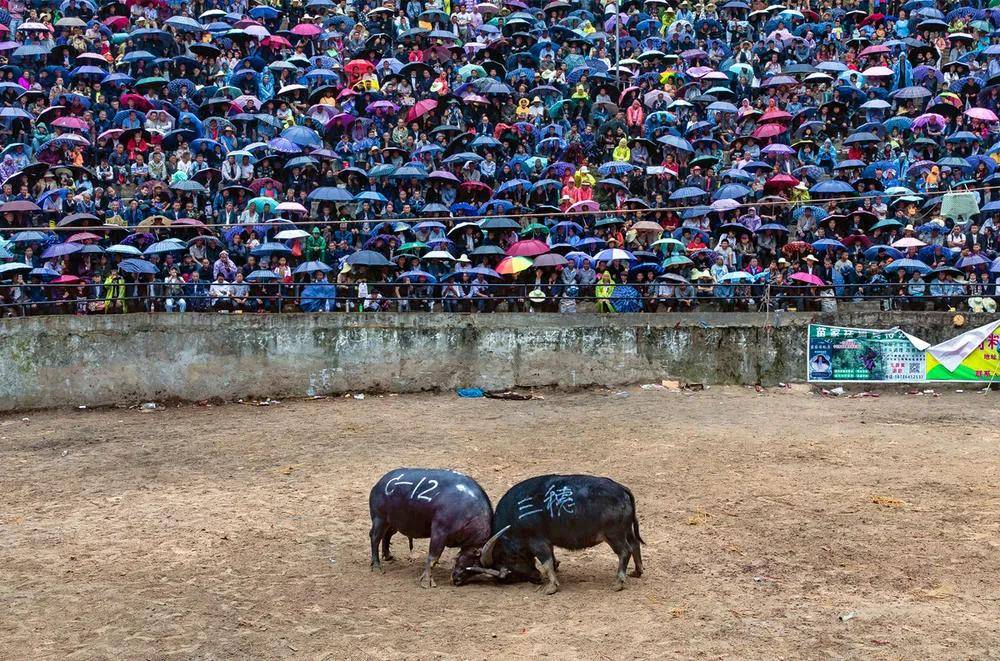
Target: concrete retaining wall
[[69, 361]]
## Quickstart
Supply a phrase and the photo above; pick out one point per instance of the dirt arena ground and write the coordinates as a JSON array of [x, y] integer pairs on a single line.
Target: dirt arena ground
[[778, 525]]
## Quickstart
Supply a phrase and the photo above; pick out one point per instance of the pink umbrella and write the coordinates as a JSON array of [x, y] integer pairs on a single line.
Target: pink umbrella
[[528, 248], [306, 30], [275, 41], [83, 236], [241, 101], [585, 205], [808, 278], [74, 123], [443, 175], [421, 108], [984, 114], [908, 242], [111, 134]]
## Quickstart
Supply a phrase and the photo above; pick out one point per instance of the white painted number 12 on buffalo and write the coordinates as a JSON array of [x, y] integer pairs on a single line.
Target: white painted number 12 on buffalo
[[390, 487]]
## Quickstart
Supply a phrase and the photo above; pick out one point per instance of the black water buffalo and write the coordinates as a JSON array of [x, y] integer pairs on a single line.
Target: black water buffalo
[[447, 506], [568, 511]]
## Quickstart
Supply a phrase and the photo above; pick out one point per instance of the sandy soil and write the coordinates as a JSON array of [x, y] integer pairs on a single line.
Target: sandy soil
[[241, 532]]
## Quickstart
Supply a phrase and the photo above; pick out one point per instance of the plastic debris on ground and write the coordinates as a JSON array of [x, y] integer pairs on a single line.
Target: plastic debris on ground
[[470, 392]]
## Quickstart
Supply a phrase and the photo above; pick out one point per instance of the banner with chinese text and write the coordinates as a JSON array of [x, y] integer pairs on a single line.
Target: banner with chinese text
[[836, 353]]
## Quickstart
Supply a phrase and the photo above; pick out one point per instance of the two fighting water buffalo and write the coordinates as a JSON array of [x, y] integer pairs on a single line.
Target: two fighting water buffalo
[[534, 516]]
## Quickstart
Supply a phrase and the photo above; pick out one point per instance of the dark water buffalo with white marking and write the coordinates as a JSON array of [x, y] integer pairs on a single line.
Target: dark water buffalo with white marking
[[447, 506], [568, 511]]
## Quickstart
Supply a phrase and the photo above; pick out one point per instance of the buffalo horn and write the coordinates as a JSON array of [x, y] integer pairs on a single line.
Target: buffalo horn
[[486, 555]]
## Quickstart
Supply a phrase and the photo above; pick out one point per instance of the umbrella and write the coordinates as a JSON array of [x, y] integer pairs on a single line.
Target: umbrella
[[368, 258], [808, 278], [271, 248], [909, 265], [528, 248], [626, 299], [262, 275], [311, 267], [513, 264]]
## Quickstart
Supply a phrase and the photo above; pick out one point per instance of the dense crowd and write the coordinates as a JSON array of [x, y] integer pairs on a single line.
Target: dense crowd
[[478, 156]]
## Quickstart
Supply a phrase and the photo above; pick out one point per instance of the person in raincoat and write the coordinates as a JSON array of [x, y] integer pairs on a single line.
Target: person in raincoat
[[114, 293], [622, 152], [603, 291], [315, 246]]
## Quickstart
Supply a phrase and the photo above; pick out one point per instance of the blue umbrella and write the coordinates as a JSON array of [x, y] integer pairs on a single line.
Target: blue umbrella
[[29, 236], [330, 194], [626, 299], [60, 249], [44, 273], [271, 248], [140, 266], [262, 275], [167, 245], [122, 249], [825, 244], [909, 265], [412, 275], [687, 193], [11, 267], [872, 253], [832, 187], [311, 267], [302, 136]]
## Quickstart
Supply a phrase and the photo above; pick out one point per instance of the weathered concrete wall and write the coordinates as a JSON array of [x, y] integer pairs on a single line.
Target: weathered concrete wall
[[69, 361]]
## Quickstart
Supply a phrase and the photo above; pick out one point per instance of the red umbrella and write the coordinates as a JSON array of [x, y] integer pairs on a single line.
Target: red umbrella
[[66, 280], [796, 246], [358, 68], [768, 130], [780, 181], [421, 108], [138, 101], [475, 189], [807, 278], [858, 238], [528, 248]]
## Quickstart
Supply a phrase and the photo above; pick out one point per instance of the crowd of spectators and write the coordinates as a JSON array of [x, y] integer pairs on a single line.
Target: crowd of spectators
[[476, 156]]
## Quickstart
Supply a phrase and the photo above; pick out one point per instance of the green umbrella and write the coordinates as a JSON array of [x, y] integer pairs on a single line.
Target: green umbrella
[[669, 245], [412, 245], [466, 72], [152, 81], [676, 260], [534, 227], [262, 203]]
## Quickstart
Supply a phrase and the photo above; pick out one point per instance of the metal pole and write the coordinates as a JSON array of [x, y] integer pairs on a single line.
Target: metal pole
[[618, 47]]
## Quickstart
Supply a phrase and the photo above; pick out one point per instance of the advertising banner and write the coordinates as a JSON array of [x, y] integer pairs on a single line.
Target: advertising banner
[[972, 356], [836, 353]]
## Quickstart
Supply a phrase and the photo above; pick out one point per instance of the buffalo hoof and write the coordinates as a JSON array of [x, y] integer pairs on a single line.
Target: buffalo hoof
[[618, 585], [388, 557], [377, 567], [635, 573], [427, 581]]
